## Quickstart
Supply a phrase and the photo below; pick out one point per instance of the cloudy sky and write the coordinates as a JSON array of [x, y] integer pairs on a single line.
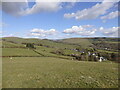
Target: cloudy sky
[[57, 20]]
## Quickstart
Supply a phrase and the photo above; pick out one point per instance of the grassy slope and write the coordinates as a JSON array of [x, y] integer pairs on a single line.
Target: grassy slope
[[84, 42], [104, 51], [80, 41], [39, 41], [18, 52], [11, 51], [53, 73], [45, 51], [65, 43], [8, 44]]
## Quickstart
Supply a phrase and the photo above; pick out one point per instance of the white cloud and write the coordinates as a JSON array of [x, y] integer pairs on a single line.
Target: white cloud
[[111, 15], [22, 8], [90, 30], [43, 33], [91, 13], [85, 30], [87, 26], [112, 32], [14, 8], [42, 7]]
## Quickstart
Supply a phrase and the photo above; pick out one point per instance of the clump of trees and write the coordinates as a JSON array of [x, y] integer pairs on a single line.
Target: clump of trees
[[30, 45], [85, 57], [115, 57]]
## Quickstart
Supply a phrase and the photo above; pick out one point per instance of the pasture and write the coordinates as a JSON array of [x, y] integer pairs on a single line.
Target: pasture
[[49, 72], [50, 65]]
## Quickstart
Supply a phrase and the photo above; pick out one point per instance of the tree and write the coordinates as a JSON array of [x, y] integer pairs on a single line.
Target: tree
[[29, 45], [113, 57]]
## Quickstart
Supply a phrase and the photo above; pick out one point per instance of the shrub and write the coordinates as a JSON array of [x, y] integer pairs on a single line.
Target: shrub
[[29, 45]]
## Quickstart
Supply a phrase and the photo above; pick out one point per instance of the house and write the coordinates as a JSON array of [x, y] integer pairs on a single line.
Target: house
[[93, 54], [89, 53], [101, 59]]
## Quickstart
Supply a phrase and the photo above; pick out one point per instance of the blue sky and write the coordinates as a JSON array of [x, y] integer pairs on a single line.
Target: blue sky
[[59, 20]]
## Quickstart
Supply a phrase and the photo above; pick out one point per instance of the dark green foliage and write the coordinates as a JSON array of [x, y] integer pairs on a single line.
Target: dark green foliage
[[29, 45], [114, 57], [92, 58]]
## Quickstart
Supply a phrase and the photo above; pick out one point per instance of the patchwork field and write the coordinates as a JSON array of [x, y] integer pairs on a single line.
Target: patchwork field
[[59, 44], [58, 64]]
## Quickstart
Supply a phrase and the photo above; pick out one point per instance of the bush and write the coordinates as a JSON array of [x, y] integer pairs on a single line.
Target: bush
[[29, 45]]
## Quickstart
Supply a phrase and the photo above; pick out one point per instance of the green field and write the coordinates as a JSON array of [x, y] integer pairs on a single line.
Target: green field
[[50, 64], [46, 72], [50, 43], [18, 52], [8, 44], [80, 41]]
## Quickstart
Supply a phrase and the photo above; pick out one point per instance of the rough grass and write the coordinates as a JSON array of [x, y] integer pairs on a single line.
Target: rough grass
[[47, 52], [80, 41], [39, 41], [18, 52], [8, 44], [103, 51], [47, 72]]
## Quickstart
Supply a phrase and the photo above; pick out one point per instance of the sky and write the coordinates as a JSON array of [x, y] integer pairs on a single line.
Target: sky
[[58, 20]]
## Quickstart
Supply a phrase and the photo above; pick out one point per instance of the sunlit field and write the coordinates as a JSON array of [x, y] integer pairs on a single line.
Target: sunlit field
[[48, 72]]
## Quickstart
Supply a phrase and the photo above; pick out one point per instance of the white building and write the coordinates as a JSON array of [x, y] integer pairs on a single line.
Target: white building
[[101, 59]]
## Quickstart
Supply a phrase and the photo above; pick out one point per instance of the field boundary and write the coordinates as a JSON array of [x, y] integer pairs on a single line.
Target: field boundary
[[35, 56]]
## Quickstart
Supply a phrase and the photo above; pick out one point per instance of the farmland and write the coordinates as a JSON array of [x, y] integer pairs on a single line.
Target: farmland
[[47, 72], [59, 63]]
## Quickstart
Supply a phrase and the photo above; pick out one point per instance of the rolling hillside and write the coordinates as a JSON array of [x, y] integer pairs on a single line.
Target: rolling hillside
[[66, 46], [51, 64], [46, 42], [83, 42]]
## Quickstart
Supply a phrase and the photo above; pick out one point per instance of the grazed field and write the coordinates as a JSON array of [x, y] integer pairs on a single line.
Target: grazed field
[[42, 68], [18, 52], [48, 72]]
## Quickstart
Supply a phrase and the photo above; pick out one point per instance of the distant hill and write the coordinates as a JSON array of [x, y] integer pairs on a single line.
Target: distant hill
[[64, 43], [84, 42], [45, 42], [21, 40]]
